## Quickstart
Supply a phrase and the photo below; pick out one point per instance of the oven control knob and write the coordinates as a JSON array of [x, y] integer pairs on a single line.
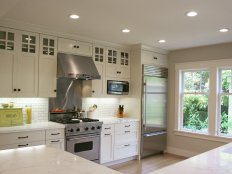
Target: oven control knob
[[92, 128], [98, 127], [78, 129], [86, 128]]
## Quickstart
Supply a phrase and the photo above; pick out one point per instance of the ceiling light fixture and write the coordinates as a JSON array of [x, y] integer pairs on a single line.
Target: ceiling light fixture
[[224, 30], [161, 41], [74, 16], [191, 14], [126, 30]]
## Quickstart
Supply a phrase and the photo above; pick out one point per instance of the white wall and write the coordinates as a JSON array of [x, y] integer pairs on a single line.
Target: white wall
[[186, 145]]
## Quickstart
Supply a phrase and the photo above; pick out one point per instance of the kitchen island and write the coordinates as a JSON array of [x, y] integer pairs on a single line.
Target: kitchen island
[[216, 161], [44, 160]]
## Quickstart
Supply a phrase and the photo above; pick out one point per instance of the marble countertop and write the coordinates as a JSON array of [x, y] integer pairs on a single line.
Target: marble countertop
[[42, 159], [216, 161], [32, 126], [113, 120]]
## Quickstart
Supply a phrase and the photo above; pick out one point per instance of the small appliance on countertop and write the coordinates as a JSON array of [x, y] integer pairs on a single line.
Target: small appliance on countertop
[[11, 117]]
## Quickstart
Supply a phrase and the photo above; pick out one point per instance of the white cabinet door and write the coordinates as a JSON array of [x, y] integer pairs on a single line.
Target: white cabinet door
[[74, 47], [125, 150], [99, 54], [153, 58], [106, 147], [58, 144], [47, 66], [8, 59], [27, 78]]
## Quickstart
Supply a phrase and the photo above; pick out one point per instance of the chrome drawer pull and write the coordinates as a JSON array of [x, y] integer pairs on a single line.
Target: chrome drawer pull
[[107, 128], [127, 131], [126, 145], [55, 134], [23, 137], [107, 134], [55, 141], [127, 125], [23, 145]]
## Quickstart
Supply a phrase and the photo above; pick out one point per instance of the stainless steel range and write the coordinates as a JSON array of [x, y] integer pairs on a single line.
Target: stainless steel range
[[82, 134]]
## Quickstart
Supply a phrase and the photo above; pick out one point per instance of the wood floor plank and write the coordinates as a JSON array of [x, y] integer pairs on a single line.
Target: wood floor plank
[[148, 164]]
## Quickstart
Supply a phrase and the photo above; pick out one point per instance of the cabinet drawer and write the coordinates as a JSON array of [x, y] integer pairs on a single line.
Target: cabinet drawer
[[20, 145], [107, 128], [54, 134], [56, 143], [126, 138], [21, 137], [129, 126], [149, 57], [126, 150]]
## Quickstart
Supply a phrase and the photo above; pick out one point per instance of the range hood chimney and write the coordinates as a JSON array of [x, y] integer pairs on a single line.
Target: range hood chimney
[[76, 67]]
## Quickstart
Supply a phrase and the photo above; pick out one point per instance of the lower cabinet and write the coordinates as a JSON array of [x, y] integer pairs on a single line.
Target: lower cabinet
[[119, 141], [51, 137]]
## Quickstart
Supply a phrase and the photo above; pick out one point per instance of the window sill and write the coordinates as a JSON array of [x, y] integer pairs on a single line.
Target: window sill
[[203, 136]]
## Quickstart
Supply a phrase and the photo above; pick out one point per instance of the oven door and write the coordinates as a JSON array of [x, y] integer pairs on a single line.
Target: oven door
[[86, 146]]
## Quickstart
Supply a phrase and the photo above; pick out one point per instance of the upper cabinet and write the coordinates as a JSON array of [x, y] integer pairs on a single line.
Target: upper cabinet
[[74, 47], [99, 54], [153, 58], [47, 66]]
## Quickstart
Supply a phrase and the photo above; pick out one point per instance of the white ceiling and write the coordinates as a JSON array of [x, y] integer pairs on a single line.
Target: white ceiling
[[148, 20]]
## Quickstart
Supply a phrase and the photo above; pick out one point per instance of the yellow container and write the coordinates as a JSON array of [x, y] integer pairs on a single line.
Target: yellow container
[[11, 117], [28, 112]]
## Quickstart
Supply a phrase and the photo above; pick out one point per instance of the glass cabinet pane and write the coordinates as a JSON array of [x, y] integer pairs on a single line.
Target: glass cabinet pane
[[32, 39], [45, 42], [101, 51], [115, 53], [25, 38], [51, 43], [45, 50], [24, 48], [10, 46], [2, 45], [32, 48], [97, 50], [96, 57], [51, 51], [11, 36], [3, 35]]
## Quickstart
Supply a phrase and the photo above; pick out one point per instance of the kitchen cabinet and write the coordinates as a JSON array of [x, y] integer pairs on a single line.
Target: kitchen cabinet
[[21, 139], [47, 66], [107, 143], [153, 58], [55, 138], [119, 140], [19, 63], [74, 47], [117, 65]]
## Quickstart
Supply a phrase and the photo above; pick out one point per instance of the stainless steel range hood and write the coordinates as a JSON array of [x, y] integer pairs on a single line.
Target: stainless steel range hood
[[77, 67]]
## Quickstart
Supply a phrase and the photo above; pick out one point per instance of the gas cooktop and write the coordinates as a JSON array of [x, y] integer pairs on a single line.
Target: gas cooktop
[[73, 120]]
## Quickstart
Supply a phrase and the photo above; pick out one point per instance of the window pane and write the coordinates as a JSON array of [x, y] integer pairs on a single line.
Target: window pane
[[195, 112], [226, 81], [226, 115], [3, 35], [196, 81]]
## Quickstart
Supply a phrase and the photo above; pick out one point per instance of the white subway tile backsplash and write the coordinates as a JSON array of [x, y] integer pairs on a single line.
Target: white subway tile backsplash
[[106, 107], [39, 107]]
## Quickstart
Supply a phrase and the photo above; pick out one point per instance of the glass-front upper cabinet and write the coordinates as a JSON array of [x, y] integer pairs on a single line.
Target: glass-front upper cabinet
[[29, 42], [124, 58], [112, 56], [48, 46], [7, 40], [99, 55]]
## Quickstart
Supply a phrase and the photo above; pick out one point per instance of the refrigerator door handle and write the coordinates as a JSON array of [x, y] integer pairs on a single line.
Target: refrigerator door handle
[[154, 134], [145, 104]]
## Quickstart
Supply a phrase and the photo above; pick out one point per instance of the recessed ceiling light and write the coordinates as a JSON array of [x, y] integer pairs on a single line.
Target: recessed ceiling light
[[224, 30], [191, 14], [126, 30], [74, 16], [161, 41]]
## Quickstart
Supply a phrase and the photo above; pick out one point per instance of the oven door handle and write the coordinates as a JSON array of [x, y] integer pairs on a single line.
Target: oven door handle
[[78, 138]]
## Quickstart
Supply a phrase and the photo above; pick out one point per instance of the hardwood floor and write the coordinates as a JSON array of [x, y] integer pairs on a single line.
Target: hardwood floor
[[148, 164]]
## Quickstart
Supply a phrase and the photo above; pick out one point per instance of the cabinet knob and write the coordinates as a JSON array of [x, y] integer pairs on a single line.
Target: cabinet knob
[[155, 58], [93, 91], [54, 90], [19, 90], [14, 89], [74, 46], [77, 46]]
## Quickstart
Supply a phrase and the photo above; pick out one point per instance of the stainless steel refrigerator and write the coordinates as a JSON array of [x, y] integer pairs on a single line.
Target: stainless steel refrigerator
[[154, 110]]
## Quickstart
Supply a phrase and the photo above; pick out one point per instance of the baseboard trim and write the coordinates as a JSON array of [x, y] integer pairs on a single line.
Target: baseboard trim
[[120, 161], [180, 152]]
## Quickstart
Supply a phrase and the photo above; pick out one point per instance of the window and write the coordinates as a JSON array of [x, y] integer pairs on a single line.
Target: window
[[225, 98], [195, 100]]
